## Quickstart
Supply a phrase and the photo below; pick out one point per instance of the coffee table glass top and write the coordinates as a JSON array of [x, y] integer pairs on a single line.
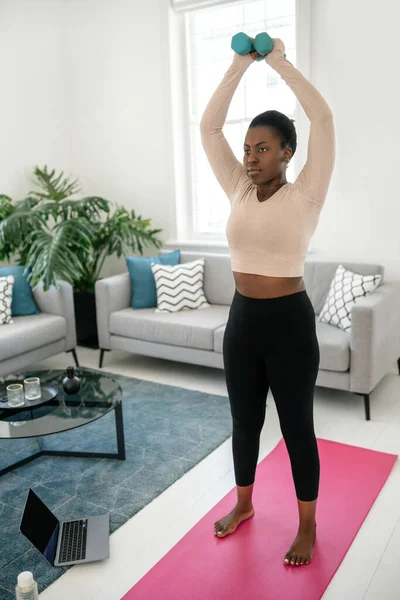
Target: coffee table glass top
[[98, 395]]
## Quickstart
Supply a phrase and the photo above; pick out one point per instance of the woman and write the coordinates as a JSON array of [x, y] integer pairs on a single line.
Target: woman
[[270, 339]]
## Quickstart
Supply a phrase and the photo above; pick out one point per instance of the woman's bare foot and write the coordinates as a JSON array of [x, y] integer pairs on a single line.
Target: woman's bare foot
[[229, 523], [301, 551]]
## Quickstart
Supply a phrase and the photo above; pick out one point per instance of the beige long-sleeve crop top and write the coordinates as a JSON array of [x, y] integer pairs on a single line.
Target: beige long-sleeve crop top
[[271, 237]]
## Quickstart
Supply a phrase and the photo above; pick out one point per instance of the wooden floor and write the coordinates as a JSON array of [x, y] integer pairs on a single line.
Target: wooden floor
[[371, 568]]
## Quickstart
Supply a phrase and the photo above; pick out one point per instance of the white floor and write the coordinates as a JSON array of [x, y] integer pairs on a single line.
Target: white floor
[[370, 570]]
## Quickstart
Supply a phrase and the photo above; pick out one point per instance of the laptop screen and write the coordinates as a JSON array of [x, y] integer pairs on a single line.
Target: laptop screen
[[40, 526]]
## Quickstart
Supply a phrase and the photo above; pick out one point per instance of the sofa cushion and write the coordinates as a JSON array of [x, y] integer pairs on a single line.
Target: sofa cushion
[[188, 328], [346, 288], [30, 332], [334, 345], [23, 302], [219, 284], [6, 290], [180, 287], [218, 338], [318, 276], [144, 294]]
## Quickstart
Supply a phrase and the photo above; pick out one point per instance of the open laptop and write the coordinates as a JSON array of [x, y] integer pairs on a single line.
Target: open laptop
[[65, 542]]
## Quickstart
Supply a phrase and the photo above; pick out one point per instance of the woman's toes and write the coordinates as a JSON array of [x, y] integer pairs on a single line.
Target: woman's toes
[[219, 529], [296, 560]]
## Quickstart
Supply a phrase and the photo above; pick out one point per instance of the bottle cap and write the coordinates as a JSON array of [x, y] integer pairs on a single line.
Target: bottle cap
[[25, 579]]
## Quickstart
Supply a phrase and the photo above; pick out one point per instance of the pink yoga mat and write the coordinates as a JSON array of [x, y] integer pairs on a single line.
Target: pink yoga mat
[[248, 564]]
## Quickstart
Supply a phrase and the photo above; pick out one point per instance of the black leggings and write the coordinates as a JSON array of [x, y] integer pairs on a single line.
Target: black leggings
[[272, 343]]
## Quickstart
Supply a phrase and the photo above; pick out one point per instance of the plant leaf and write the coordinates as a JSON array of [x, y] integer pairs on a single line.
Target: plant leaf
[[52, 257], [19, 223], [53, 188]]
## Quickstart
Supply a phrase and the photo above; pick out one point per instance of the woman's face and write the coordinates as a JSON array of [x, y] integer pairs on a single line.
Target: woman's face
[[264, 154]]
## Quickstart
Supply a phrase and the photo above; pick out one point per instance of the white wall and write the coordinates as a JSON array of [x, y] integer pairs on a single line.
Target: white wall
[[85, 88], [34, 111], [121, 130], [355, 64]]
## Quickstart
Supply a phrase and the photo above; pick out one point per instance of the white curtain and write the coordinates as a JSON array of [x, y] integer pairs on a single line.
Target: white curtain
[[187, 5]]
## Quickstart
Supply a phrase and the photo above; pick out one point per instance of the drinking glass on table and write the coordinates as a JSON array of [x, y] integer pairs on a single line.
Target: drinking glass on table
[[32, 388], [15, 394]]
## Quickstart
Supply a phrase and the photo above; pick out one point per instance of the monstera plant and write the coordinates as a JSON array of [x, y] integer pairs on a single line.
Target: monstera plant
[[60, 237]]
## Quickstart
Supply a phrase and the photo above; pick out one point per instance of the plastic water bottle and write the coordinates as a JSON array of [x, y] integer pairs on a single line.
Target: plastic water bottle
[[27, 588]]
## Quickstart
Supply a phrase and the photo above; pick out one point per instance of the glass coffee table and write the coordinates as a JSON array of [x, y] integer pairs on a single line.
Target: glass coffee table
[[99, 394]]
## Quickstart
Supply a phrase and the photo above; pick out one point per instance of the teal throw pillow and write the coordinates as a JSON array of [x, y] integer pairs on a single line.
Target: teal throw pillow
[[23, 302], [144, 292]]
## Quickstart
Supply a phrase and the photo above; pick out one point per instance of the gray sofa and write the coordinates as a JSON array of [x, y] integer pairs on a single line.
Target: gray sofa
[[32, 338], [354, 361]]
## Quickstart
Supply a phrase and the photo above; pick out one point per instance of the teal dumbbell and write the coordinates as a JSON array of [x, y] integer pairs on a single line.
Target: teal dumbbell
[[242, 44], [264, 44]]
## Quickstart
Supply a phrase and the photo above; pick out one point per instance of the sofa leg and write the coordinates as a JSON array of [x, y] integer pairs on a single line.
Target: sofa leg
[[74, 354], [398, 364], [102, 350], [366, 404], [367, 407]]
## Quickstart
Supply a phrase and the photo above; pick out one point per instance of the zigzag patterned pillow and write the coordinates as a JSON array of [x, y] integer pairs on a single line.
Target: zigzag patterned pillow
[[6, 288], [346, 287], [180, 287]]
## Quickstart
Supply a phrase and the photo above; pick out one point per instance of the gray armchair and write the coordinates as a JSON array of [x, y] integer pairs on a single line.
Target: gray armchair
[[32, 338]]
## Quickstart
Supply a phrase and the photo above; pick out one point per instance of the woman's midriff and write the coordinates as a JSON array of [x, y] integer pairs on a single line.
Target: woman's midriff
[[261, 286]]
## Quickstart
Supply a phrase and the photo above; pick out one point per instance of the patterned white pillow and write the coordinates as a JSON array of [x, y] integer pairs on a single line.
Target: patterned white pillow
[[180, 287], [6, 288], [345, 288]]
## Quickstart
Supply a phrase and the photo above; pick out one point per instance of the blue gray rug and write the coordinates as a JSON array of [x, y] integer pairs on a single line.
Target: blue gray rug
[[168, 430]]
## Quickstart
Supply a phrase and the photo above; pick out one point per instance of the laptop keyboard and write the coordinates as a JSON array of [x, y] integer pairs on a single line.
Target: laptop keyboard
[[73, 541]]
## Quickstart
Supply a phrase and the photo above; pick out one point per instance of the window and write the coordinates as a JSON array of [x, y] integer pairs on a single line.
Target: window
[[208, 34]]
